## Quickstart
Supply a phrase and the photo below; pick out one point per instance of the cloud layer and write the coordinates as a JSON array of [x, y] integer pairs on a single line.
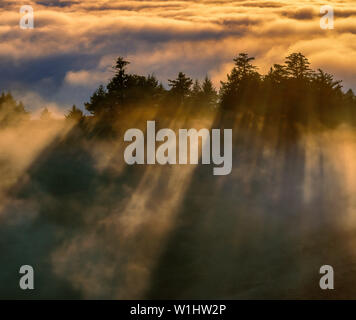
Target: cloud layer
[[73, 45]]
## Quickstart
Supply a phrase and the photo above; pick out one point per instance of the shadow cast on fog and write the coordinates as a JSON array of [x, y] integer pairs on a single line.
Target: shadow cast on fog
[[253, 234], [94, 228]]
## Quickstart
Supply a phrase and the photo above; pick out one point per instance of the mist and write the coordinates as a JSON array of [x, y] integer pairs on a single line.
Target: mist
[[94, 227]]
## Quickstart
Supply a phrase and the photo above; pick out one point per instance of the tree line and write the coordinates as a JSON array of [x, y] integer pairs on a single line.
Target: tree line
[[291, 91]]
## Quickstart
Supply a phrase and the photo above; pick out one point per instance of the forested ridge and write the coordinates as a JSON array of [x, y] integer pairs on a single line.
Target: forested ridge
[[291, 92], [94, 227]]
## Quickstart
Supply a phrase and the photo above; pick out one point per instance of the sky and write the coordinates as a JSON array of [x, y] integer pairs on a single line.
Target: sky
[[73, 45]]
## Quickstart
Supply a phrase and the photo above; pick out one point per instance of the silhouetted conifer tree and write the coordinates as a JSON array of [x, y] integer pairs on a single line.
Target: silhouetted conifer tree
[[180, 88], [74, 114], [11, 112]]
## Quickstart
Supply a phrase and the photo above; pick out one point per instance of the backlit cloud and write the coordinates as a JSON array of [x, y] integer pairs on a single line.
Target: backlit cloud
[[66, 48]]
